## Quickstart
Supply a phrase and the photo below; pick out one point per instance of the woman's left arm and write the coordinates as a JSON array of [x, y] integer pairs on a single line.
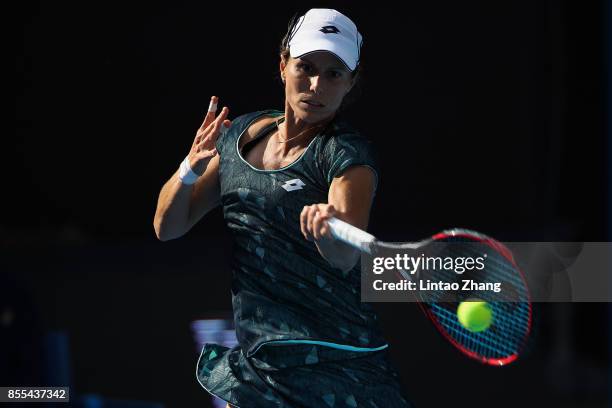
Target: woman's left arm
[[349, 199]]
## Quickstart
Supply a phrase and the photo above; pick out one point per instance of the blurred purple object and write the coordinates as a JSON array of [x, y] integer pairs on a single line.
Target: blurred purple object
[[219, 331]]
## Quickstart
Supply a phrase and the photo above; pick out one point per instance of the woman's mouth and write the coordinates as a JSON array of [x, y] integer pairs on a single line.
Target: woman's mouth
[[312, 103]]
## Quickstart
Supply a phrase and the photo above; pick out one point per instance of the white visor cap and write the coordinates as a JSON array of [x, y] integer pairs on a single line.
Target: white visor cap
[[326, 30]]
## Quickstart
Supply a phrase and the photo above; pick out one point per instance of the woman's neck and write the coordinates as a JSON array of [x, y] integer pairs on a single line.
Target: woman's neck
[[296, 132]]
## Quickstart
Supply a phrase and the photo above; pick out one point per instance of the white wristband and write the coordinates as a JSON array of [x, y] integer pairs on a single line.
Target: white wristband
[[186, 175]]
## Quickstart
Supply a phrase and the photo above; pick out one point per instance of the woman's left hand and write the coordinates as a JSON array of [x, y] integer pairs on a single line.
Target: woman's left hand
[[313, 221]]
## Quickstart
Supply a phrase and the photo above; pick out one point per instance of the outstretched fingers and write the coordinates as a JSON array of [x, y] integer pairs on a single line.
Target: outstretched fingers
[[212, 111], [208, 119], [210, 135]]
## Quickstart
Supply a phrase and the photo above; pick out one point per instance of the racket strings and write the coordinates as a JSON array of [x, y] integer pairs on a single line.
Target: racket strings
[[487, 344], [511, 309]]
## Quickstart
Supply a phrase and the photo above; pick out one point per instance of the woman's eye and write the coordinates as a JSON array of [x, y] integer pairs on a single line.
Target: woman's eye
[[304, 67], [336, 74]]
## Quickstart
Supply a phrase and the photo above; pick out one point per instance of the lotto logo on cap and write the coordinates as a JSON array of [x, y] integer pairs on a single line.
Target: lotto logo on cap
[[326, 30]]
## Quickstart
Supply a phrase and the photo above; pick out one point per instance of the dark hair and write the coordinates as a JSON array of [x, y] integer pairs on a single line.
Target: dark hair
[[356, 75]]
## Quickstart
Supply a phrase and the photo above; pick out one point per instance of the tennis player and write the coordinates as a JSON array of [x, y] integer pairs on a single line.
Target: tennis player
[[305, 339]]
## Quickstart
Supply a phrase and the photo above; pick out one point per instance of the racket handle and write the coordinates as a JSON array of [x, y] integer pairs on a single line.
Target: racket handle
[[351, 235]]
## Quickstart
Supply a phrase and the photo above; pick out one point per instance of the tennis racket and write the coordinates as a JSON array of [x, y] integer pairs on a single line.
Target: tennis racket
[[504, 340]]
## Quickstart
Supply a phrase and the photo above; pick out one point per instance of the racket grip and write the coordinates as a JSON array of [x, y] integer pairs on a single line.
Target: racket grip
[[350, 234]]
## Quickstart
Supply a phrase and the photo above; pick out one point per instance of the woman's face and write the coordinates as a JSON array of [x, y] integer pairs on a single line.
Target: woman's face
[[315, 85]]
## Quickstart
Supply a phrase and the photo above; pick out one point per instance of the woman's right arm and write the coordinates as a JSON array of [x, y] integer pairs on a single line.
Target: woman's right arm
[[181, 206]]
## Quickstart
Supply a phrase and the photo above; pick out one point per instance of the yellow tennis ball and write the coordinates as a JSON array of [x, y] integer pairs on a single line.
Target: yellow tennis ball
[[475, 315]]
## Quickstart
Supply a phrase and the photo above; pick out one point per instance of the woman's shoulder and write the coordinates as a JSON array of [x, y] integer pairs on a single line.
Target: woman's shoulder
[[246, 119], [341, 147], [240, 125], [340, 133]]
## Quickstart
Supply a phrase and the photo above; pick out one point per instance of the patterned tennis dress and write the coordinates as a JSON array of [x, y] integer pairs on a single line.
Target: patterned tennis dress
[[304, 337]]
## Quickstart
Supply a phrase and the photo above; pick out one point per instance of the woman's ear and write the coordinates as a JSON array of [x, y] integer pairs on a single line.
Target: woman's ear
[[282, 66]]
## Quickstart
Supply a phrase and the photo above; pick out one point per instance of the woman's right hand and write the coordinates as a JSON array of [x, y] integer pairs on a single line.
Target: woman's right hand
[[203, 147]]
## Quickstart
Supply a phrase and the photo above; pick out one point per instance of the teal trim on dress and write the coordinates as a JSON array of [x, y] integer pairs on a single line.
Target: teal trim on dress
[[324, 343]]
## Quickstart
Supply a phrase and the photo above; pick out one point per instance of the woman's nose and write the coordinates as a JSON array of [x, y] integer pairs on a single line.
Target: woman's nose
[[315, 83]]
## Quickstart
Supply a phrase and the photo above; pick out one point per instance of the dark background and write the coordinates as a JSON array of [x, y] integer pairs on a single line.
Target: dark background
[[485, 115]]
